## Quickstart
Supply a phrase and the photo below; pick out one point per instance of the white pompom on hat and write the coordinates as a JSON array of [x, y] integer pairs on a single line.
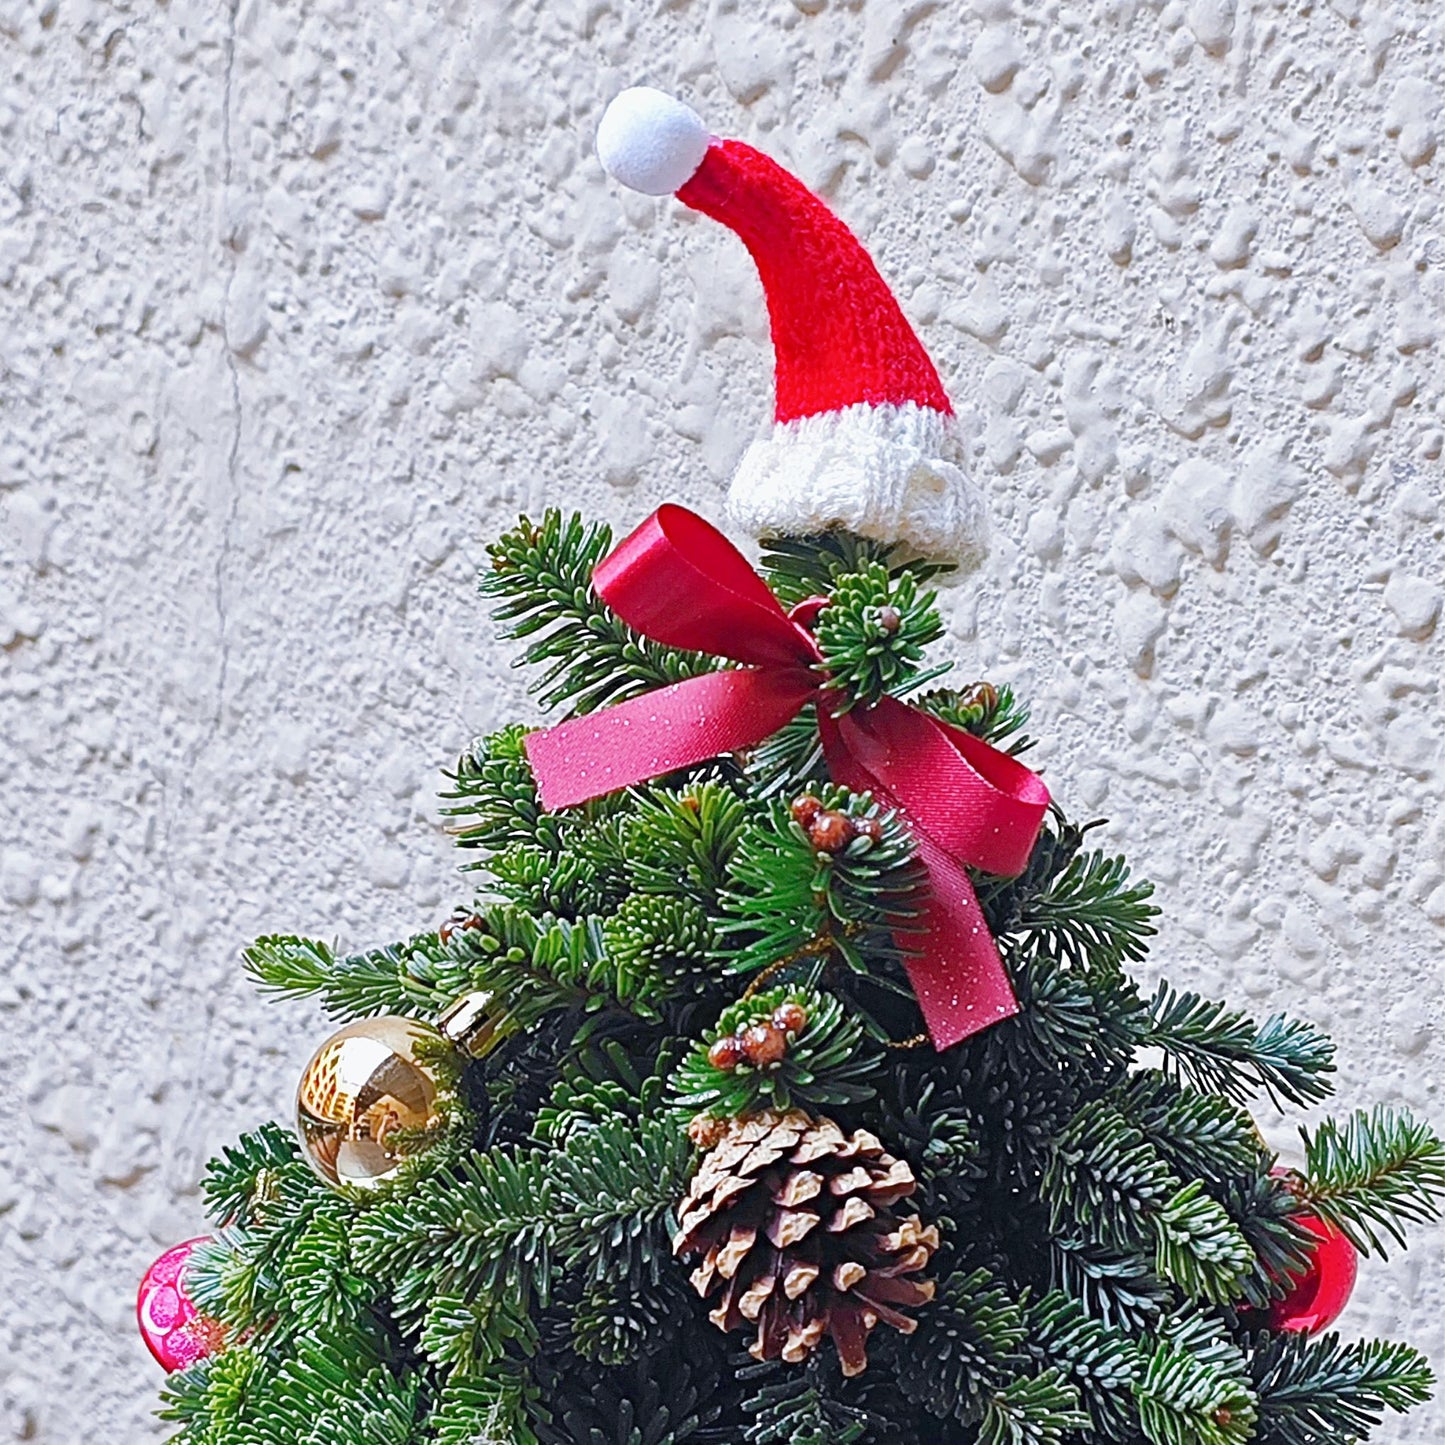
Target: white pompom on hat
[[651, 142], [863, 436]]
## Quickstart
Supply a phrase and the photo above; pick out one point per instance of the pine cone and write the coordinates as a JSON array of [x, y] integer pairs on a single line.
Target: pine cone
[[796, 1226]]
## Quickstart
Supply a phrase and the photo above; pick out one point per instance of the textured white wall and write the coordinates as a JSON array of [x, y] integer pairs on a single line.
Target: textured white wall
[[299, 303]]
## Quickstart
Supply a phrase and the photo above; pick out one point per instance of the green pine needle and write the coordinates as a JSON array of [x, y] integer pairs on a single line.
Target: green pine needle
[[1373, 1173], [486, 1227], [681, 843], [1202, 1136], [1194, 1389], [1105, 1178], [826, 1063], [485, 1407], [1223, 1052], [967, 1350], [994, 714], [601, 1082], [254, 1167], [794, 1410], [1101, 1362], [541, 581], [395, 979], [1037, 1410], [1117, 1287], [785, 894], [1090, 916], [1199, 1247], [613, 1189], [797, 568], [872, 635], [493, 797], [1323, 1392]]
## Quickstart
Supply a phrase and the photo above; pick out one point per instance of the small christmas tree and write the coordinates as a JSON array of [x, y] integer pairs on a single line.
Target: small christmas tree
[[783, 1081]]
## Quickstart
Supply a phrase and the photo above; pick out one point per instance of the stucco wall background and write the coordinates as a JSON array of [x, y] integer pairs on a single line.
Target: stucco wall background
[[301, 303]]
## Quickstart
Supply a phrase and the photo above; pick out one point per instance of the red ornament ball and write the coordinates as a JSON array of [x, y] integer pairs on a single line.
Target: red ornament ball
[[174, 1330], [727, 1053], [1317, 1298], [764, 1044]]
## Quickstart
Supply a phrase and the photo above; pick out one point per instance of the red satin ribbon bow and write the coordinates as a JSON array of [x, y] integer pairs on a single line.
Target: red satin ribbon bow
[[678, 580]]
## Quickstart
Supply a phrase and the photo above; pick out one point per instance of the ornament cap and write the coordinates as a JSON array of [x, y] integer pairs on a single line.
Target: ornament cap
[[474, 1023]]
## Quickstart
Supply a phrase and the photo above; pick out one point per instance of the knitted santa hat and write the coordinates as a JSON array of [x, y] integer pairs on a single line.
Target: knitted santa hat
[[863, 433]]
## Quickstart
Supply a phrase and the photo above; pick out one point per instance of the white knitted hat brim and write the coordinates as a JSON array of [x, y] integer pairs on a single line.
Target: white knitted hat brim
[[893, 473]]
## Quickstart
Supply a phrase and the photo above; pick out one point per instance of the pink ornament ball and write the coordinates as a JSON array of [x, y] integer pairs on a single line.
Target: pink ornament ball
[[174, 1330]]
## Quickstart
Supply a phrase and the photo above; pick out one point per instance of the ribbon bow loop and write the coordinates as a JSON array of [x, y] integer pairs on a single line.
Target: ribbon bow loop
[[679, 581]]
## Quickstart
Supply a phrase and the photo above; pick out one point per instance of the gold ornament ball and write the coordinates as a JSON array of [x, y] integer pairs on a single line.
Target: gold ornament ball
[[366, 1102]]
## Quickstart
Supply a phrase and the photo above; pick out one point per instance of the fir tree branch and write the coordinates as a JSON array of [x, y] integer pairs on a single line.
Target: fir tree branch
[[1102, 1362], [614, 1188], [1266, 1210], [784, 893], [1034, 1410], [601, 1082], [658, 945], [619, 1321], [494, 797], [1060, 1022], [872, 634], [1199, 1247], [542, 964], [1089, 916], [967, 1350], [541, 582], [473, 1335], [1117, 1287], [485, 1407], [1323, 1392], [1200, 1136], [1105, 1178], [1223, 1052], [938, 1132], [797, 568], [826, 1062], [395, 979], [794, 1408], [671, 1396], [992, 713], [213, 1398], [253, 1170], [681, 843], [486, 1227], [1194, 1389], [1374, 1173], [787, 763]]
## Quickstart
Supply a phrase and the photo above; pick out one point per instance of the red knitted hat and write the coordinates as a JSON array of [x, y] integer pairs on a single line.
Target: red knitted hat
[[863, 433]]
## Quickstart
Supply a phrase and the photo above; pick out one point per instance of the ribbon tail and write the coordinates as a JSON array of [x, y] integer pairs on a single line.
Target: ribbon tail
[[663, 731], [952, 961], [909, 764]]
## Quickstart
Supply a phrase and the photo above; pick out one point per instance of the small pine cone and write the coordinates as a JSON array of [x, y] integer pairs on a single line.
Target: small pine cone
[[796, 1227]]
